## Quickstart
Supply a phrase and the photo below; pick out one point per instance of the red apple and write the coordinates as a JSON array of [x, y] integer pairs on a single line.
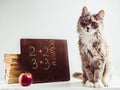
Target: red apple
[[25, 79]]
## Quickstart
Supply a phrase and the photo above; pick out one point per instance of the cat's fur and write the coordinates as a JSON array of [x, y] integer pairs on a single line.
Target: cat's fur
[[93, 49]]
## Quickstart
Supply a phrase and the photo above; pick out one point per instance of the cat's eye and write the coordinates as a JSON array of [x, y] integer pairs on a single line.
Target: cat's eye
[[94, 25], [85, 22]]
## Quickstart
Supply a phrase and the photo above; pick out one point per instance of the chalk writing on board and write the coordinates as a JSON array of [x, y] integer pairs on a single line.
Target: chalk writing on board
[[45, 59], [47, 53]]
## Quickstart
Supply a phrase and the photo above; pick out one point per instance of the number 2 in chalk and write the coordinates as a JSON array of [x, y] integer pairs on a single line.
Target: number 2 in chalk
[[32, 53]]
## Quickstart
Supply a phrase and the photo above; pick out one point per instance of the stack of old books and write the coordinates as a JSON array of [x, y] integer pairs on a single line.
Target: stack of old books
[[13, 67]]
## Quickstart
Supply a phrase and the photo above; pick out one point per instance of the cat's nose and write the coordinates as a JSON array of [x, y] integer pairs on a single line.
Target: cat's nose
[[88, 29]]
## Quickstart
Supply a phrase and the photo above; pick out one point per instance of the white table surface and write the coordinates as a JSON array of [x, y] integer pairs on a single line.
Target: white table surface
[[73, 84]]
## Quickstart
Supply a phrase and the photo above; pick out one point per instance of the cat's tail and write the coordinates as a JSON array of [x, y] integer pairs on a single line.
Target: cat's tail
[[78, 75]]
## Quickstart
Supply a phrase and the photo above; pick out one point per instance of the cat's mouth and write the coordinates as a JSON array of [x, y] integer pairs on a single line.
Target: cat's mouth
[[89, 31]]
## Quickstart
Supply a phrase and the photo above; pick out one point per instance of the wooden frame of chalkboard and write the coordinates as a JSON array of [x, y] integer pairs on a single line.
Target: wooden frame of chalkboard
[[46, 59]]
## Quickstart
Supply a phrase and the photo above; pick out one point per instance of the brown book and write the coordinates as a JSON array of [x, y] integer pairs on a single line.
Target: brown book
[[13, 66], [13, 73], [11, 60], [12, 56], [11, 80]]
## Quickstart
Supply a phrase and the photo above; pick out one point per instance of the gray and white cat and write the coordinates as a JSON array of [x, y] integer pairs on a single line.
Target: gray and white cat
[[93, 49]]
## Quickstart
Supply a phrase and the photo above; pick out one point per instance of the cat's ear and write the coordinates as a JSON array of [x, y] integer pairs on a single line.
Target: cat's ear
[[100, 15], [85, 11]]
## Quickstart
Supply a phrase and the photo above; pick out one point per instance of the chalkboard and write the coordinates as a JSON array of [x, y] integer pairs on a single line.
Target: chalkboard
[[46, 59]]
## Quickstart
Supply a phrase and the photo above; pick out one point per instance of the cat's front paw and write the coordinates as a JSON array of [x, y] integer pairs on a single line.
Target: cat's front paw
[[89, 84], [99, 85], [106, 84]]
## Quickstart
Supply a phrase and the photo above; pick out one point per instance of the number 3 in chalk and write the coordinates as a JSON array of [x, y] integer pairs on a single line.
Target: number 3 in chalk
[[35, 65], [47, 63]]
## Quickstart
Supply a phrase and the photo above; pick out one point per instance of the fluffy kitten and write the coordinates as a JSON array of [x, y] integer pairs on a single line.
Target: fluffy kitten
[[93, 49]]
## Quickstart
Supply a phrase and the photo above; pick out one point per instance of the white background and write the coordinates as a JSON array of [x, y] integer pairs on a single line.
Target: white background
[[55, 19]]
